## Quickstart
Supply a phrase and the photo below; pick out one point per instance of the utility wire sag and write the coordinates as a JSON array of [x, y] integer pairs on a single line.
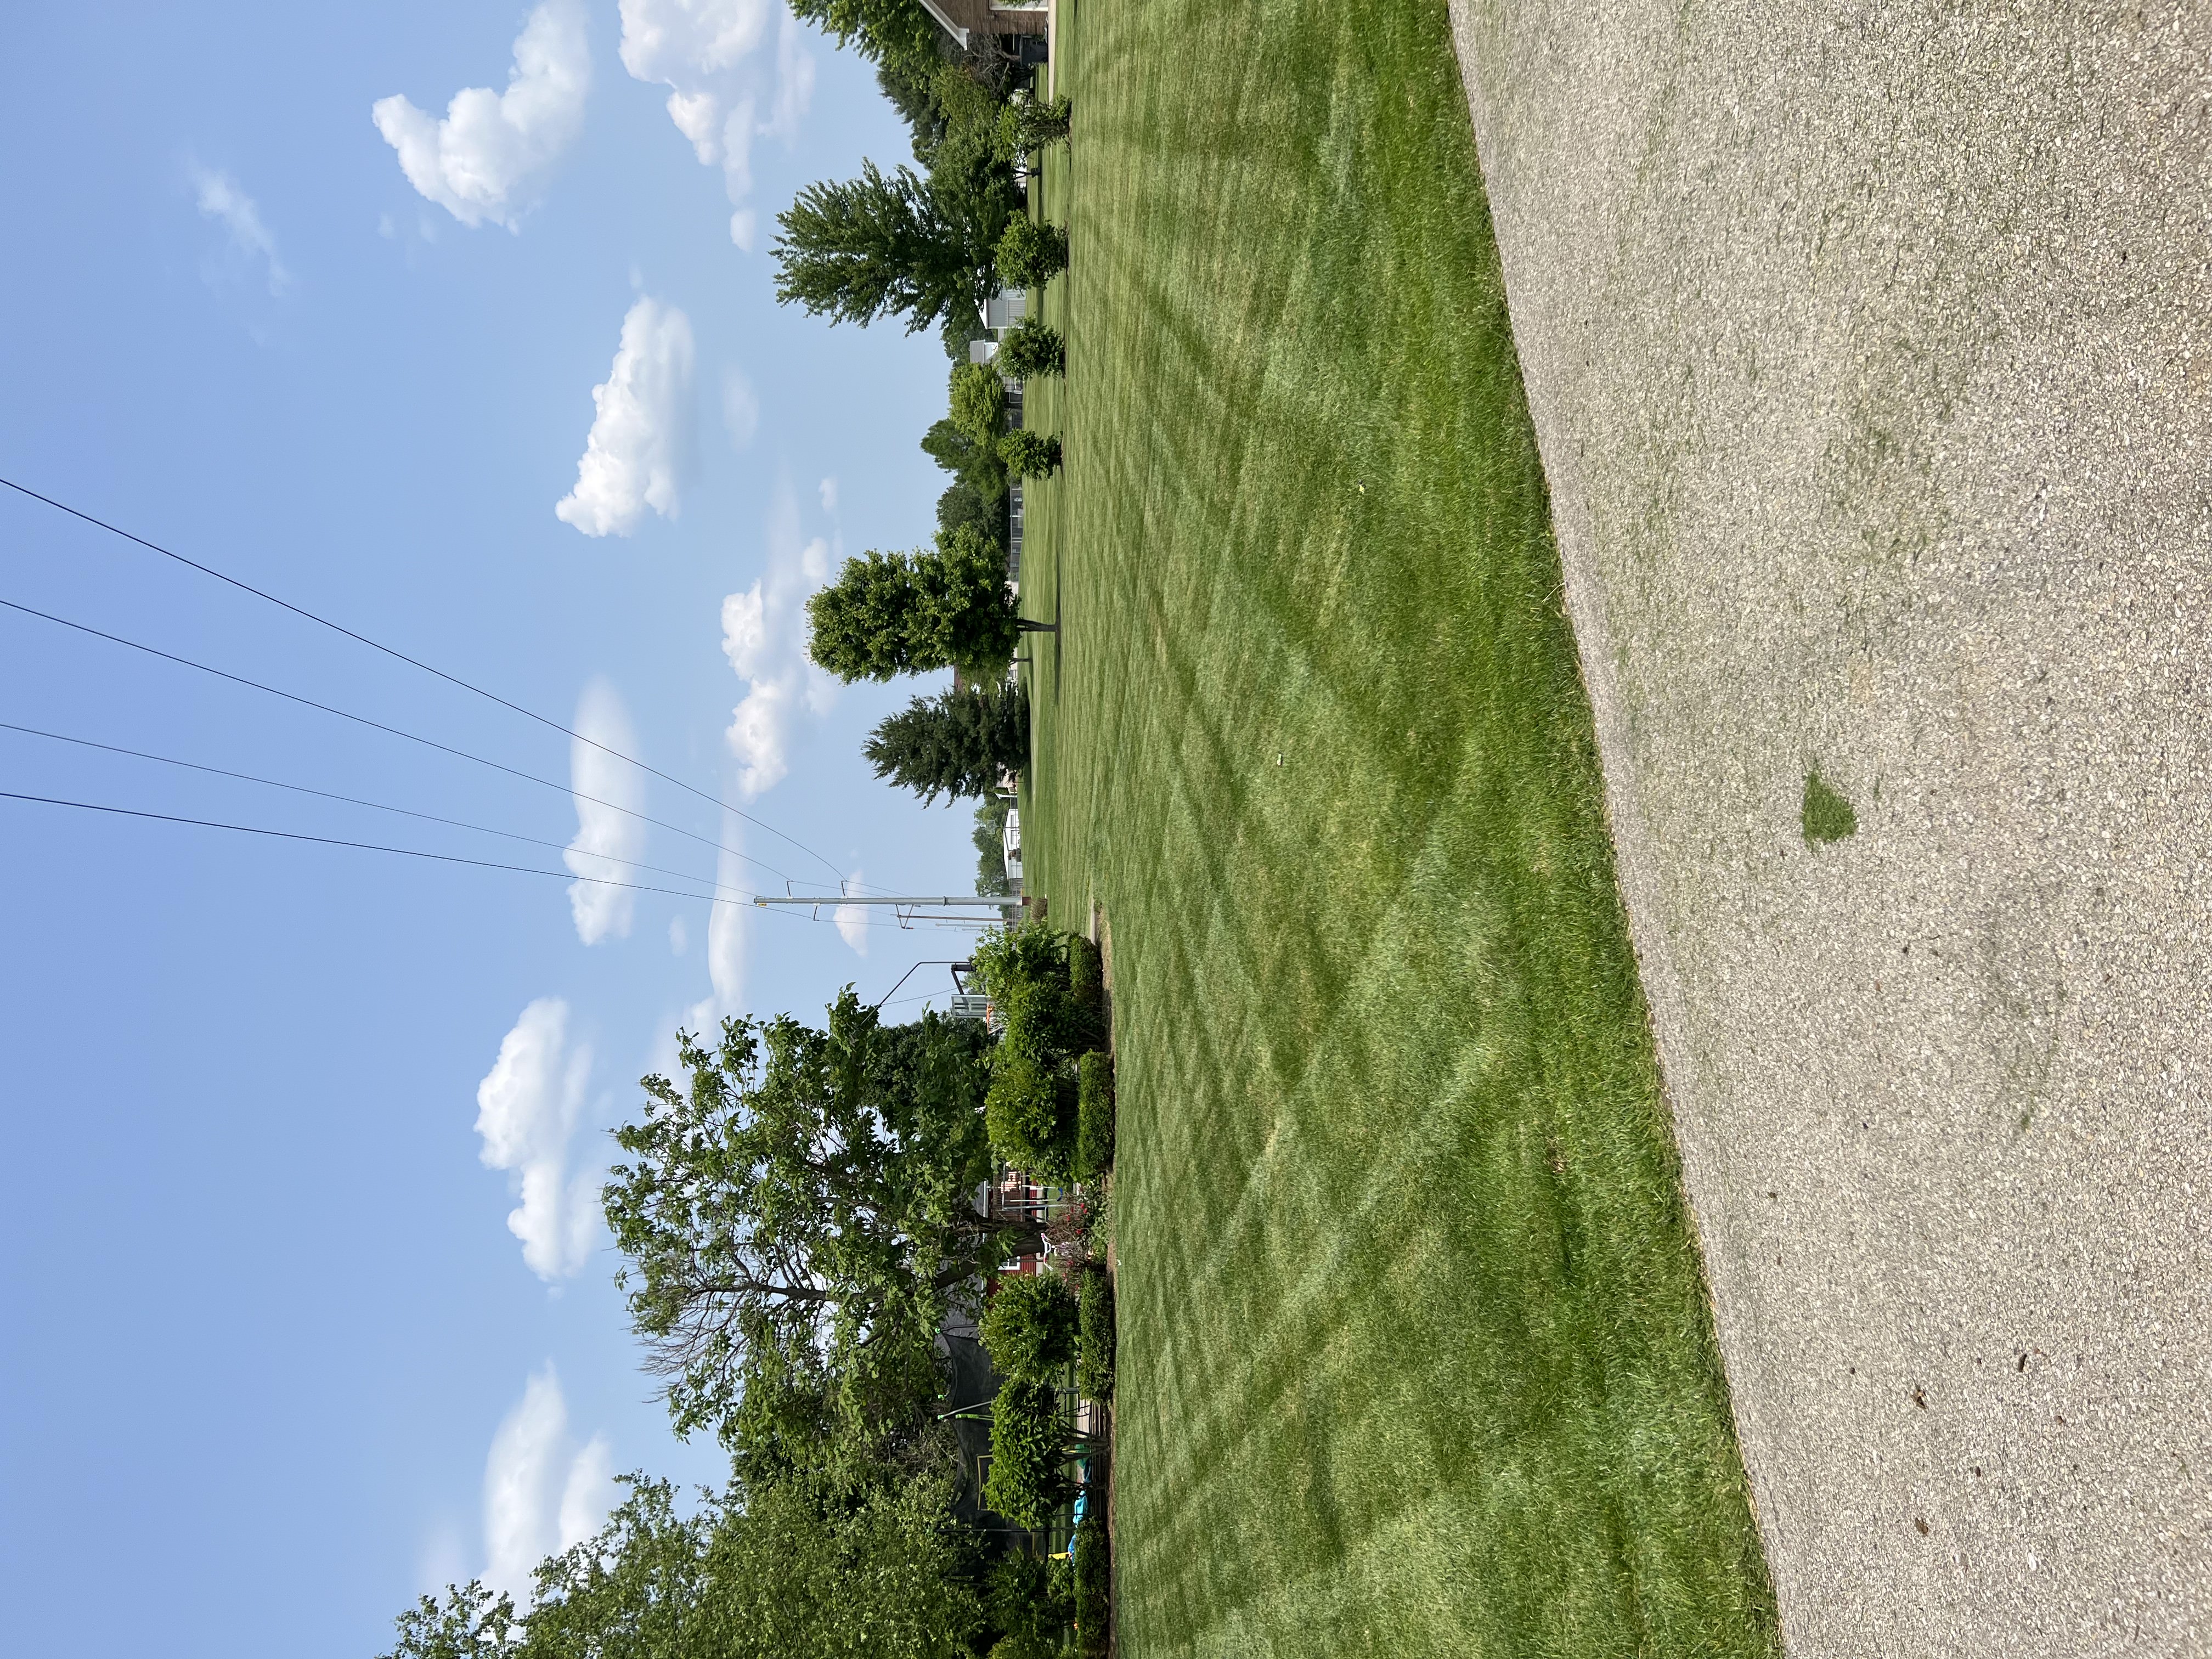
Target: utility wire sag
[[412, 662]]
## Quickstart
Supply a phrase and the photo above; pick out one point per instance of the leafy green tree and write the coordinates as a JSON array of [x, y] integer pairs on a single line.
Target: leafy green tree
[[898, 34], [979, 403], [1033, 1603], [1032, 348], [764, 1572], [1029, 1324], [806, 1202], [955, 743], [1029, 454], [883, 245], [1029, 1450], [1027, 124], [471, 1623], [962, 507], [1031, 252], [967, 461], [913, 613], [892, 1576]]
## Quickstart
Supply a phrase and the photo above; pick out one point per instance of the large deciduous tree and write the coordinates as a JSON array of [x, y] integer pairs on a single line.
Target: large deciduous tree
[[757, 1573], [804, 1208], [956, 743], [913, 613]]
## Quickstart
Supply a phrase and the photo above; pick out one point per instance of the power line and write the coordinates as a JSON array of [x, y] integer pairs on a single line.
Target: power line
[[363, 720], [350, 800], [715, 897], [413, 662]]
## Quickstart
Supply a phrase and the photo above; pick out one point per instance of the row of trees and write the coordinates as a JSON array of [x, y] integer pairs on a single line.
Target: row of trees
[[795, 1221], [795, 1216]]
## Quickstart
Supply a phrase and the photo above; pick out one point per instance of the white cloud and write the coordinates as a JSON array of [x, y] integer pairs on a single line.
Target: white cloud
[[640, 447], [528, 1108], [794, 82], [679, 936], [699, 50], [540, 1495], [676, 42], [830, 496], [728, 930], [605, 833], [221, 200], [486, 158], [764, 636], [740, 408], [852, 922]]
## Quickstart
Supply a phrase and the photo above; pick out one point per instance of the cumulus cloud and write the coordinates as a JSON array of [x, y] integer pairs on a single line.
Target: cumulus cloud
[[606, 832], [794, 83], [486, 158], [728, 931], [699, 50], [640, 447], [765, 637], [542, 1494], [528, 1109], [221, 200]]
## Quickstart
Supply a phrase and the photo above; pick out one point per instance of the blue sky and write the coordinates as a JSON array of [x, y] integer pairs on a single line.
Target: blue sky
[[305, 1308]]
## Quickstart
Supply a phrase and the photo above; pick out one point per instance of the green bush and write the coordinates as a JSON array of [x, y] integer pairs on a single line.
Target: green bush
[[1023, 1116], [1029, 454], [1031, 252], [1026, 125], [1086, 978], [1027, 1480], [1032, 348], [979, 403], [1028, 1327], [1033, 1603], [1094, 1354], [1094, 1115], [1093, 1587]]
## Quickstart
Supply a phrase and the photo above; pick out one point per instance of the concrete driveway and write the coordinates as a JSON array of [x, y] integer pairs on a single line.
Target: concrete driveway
[[1870, 351]]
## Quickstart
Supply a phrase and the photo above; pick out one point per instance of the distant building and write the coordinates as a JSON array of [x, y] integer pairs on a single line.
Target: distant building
[[1016, 27]]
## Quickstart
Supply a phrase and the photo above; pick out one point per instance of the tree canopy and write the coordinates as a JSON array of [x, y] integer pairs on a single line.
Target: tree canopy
[[801, 1212], [913, 613], [772, 1572], [956, 744]]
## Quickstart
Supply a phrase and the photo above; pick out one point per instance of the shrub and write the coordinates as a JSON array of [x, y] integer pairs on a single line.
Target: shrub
[[1033, 1601], [1094, 1354], [1030, 454], [1031, 252], [979, 403], [1094, 1115], [1027, 1480], [1086, 978], [1023, 1115], [1029, 1328], [1093, 1587], [1026, 125], [1032, 348]]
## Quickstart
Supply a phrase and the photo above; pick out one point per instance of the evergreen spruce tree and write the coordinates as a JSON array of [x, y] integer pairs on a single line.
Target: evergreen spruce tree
[[956, 744]]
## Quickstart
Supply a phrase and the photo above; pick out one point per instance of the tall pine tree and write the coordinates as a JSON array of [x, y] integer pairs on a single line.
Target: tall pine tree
[[955, 743]]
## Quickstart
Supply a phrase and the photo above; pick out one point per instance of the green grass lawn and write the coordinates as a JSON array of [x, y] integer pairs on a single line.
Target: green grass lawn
[[1415, 1351]]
